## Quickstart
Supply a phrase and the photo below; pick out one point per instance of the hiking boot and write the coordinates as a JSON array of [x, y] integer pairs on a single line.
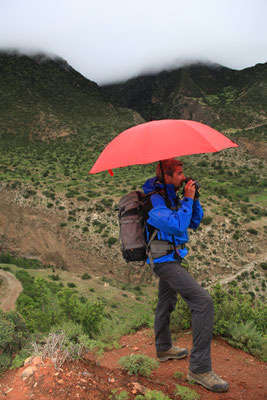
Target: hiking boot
[[174, 353], [209, 380]]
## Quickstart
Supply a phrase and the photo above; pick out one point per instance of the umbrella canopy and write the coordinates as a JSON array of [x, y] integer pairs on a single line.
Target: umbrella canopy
[[160, 140]]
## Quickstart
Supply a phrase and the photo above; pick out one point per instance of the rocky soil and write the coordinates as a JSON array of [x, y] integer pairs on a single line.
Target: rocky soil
[[95, 376]]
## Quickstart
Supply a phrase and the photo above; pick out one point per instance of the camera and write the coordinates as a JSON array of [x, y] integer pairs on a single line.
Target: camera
[[196, 184]]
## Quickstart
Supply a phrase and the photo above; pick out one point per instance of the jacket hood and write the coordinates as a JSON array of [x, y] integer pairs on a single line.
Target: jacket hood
[[152, 184]]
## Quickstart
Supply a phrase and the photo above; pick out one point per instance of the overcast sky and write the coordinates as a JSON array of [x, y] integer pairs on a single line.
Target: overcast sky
[[112, 40]]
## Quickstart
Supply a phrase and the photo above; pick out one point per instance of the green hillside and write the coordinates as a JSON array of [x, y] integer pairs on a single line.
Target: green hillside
[[44, 100], [55, 123]]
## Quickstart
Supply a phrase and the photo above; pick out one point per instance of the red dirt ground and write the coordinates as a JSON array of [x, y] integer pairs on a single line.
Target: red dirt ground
[[94, 376]]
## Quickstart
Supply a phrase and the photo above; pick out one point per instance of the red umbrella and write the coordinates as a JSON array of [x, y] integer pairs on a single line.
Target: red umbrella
[[159, 140]]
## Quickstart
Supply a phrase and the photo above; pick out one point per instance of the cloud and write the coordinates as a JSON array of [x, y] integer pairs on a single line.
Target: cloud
[[114, 40]]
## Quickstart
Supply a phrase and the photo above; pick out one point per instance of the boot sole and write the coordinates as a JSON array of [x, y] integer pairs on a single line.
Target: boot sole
[[190, 378], [162, 359]]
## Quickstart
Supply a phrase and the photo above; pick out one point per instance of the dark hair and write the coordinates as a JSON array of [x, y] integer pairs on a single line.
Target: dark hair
[[168, 167]]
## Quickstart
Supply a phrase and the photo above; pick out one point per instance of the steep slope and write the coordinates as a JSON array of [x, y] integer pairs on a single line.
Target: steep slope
[[45, 98], [211, 94]]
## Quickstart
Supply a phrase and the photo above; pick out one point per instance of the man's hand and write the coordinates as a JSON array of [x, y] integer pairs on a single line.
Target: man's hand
[[190, 189]]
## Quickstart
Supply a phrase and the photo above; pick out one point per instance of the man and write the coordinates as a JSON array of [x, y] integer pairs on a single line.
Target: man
[[171, 218]]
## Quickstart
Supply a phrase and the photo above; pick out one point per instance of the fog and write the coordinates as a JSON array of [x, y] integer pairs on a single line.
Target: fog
[[114, 40]]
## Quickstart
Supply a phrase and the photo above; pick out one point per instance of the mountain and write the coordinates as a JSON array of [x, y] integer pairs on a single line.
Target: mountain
[[45, 98], [212, 94]]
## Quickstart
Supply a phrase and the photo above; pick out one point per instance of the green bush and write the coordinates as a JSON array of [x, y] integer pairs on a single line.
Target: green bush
[[13, 335], [246, 337], [71, 329], [236, 308], [186, 393], [152, 395], [181, 317], [111, 241], [138, 364], [7, 258], [86, 276], [54, 277], [88, 314], [36, 306], [252, 231], [207, 220], [236, 235], [178, 375], [71, 284], [115, 395], [5, 361]]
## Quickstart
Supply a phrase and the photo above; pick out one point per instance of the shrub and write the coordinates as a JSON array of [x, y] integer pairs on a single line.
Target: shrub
[[246, 337], [71, 284], [58, 348], [138, 364], [13, 335], [207, 220], [88, 314], [252, 231], [71, 330], [54, 277], [118, 396], [152, 395], [178, 375], [236, 308], [111, 241], [82, 198], [186, 393], [236, 235], [86, 276], [5, 268], [181, 316]]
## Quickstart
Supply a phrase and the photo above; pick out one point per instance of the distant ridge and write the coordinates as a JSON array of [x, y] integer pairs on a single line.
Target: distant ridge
[[212, 94]]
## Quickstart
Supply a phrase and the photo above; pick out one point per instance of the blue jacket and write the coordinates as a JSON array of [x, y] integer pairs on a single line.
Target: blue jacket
[[172, 224]]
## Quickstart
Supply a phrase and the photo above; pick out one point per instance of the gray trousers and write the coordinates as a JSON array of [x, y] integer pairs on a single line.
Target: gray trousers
[[175, 279]]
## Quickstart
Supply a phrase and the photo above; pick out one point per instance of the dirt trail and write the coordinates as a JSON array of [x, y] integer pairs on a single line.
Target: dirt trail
[[9, 291]]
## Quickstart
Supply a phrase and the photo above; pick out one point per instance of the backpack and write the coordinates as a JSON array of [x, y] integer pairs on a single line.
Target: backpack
[[132, 229], [132, 226]]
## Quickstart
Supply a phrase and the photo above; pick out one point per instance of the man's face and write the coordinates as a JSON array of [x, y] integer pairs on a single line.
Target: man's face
[[177, 179]]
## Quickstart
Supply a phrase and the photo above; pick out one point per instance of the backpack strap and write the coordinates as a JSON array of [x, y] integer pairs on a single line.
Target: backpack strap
[[148, 249]]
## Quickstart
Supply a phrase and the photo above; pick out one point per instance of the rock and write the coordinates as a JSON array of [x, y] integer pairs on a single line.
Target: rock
[[139, 388], [28, 361], [60, 381], [36, 361], [28, 372], [85, 373], [135, 348]]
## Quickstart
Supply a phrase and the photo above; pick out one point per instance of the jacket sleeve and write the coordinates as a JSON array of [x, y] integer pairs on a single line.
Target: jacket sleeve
[[197, 215], [167, 220]]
